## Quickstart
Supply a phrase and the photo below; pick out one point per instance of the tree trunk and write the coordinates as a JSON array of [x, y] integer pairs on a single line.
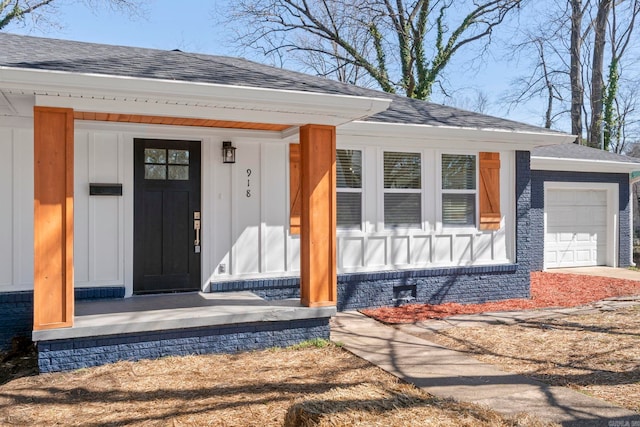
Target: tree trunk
[[575, 72], [597, 79]]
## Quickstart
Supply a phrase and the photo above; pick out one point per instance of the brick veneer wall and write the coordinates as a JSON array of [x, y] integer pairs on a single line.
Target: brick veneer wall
[[17, 310], [432, 285], [17, 316], [69, 354], [269, 289], [539, 177]]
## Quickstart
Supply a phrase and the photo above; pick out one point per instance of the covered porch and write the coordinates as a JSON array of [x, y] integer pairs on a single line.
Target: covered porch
[[76, 330]]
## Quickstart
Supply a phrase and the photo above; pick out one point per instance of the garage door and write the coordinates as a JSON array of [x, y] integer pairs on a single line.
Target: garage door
[[576, 232]]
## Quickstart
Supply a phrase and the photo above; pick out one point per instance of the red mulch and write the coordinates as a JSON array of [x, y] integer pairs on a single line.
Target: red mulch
[[547, 290]]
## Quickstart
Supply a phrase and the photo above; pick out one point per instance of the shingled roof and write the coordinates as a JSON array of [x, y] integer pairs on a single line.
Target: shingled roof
[[78, 57], [580, 152]]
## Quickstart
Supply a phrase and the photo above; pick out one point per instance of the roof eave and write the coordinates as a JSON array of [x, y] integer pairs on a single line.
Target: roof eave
[[97, 92], [582, 165], [506, 138]]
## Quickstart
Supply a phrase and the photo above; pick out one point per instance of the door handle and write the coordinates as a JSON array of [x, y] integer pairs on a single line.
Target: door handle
[[196, 227]]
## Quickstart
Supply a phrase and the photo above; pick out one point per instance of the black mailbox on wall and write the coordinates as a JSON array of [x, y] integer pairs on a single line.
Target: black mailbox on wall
[[105, 189]]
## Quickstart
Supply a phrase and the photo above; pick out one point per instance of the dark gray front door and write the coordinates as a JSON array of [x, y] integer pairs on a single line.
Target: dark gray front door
[[166, 206]]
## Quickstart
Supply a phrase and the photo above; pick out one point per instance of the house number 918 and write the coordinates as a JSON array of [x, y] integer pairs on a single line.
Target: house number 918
[[248, 194]]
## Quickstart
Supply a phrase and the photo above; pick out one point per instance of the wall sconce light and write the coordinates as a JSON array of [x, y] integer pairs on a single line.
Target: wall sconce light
[[228, 152]]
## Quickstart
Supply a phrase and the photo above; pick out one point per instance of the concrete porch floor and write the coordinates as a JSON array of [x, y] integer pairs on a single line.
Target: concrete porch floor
[[164, 312]]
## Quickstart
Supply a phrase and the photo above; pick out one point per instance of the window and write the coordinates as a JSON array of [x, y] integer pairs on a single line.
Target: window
[[162, 164], [458, 190], [349, 188], [402, 190]]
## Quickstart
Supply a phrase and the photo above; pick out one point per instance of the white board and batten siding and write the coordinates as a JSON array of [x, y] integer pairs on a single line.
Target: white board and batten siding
[[248, 212], [16, 209], [245, 210], [99, 221], [580, 224]]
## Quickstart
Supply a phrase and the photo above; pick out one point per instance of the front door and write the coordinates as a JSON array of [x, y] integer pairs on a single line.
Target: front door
[[167, 216]]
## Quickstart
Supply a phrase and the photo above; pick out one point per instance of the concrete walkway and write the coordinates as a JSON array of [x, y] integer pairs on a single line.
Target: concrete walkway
[[447, 373], [614, 273]]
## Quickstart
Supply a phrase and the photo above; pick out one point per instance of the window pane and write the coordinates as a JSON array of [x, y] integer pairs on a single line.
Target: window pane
[[155, 155], [349, 207], [348, 168], [402, 170], [179, 157], [402, 210], [459, 209], [458, 172], [155, 172], [179, 172]]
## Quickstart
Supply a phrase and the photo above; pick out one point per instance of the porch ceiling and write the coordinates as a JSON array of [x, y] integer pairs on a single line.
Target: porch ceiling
[[176, 121]]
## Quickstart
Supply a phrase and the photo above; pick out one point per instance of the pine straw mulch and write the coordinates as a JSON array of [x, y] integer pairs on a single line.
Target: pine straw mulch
[[597, 354], [311, 386], [547, 290]]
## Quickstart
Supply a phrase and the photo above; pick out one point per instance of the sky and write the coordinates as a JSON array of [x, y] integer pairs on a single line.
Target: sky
[[193, 26]]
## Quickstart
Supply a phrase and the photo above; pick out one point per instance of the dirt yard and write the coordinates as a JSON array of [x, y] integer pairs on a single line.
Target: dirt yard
[[597, 354], [316, 385]]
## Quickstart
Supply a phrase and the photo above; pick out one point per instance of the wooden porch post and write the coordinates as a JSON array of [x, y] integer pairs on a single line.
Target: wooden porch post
[[318, 222], [53, 218]]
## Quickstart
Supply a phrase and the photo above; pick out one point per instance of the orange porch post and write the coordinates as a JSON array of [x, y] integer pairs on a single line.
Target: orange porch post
[[318, 222], [53, 218]]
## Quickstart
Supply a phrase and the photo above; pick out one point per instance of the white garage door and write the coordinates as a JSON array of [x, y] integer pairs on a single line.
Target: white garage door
[[576, 232]]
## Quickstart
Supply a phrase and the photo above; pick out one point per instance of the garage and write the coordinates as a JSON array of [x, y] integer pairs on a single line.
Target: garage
[[576, 228], [580, 207]]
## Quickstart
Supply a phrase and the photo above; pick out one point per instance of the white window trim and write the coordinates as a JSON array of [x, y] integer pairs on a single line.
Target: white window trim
[[420, 190], [440, 226], [356, 230]]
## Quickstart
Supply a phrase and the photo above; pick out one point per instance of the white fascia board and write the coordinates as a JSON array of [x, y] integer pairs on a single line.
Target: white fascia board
[[582, 165], [507, 139], [150, 108], [291, 107]]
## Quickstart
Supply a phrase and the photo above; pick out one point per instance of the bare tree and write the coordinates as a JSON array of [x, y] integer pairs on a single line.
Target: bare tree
[[11, 11], [625, 131], [617, 111], [403, 45], [470, 99], [40, 12], [575, 71], [546, 79], [334, 67], [597, 72], [571, 45]]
